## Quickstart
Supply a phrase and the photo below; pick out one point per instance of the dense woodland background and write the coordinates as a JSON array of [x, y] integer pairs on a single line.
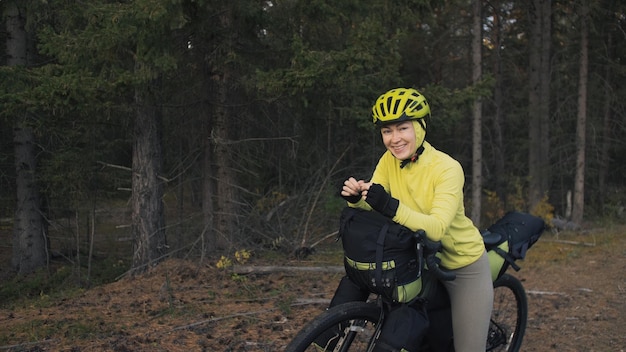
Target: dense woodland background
[[192, 128]]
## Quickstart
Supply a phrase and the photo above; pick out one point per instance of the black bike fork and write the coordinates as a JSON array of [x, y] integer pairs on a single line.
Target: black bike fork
[[357, 326]]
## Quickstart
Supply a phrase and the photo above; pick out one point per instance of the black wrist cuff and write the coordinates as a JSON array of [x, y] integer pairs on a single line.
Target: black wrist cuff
[[352, 199], [392, 208]]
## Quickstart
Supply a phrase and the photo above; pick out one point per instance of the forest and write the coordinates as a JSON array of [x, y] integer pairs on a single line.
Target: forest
[[137, 130]]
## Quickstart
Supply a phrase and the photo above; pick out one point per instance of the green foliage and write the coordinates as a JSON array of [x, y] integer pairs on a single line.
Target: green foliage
[[300, 78], [40, 285], [544, 210], [346, 54], [62, 281], [494, 208], [285, 305], [119, 42], [516, 196], [451, 107], [332, 202], [14, 81], [272, 200], [40, 329]]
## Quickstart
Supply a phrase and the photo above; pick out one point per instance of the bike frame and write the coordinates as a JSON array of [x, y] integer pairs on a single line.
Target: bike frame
[[505, 331]]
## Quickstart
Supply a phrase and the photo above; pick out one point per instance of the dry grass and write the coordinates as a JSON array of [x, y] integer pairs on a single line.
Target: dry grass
[[577, 298]]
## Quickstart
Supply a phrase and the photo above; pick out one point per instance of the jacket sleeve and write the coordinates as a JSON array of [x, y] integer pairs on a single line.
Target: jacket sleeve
[[447, 194]]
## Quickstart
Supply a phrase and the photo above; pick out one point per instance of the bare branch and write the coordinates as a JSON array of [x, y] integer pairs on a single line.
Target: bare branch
[[126, 168]]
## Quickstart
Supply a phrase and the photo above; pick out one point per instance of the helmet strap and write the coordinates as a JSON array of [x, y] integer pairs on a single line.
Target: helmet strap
[[413, 158]]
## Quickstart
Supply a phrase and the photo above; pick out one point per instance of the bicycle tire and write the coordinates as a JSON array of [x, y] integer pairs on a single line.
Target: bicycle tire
[[509, 315], [506, 331], [340, 316]]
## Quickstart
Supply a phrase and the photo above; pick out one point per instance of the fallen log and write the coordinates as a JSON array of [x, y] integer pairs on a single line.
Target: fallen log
[[254, 269], [577, 243], [25, 344], [548, 293]]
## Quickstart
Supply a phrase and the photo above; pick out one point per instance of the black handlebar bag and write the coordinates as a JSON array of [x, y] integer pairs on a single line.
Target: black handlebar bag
[[379, 255]]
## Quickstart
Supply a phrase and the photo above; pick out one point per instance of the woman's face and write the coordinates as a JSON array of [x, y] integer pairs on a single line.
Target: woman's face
[[400, 139]]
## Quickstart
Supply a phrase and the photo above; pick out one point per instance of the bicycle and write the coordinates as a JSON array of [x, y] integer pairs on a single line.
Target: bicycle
[[357, 325]]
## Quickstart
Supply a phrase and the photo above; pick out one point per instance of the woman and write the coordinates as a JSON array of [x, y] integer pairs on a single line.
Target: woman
[[422, 188]]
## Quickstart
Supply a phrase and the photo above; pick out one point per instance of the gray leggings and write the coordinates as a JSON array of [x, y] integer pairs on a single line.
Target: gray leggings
[[471, 299]]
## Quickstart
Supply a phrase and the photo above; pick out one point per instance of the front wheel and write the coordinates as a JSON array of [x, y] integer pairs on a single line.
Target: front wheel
[[346, 327], [509, 315]]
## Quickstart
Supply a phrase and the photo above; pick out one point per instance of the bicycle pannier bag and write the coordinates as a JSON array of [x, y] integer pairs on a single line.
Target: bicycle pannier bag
[[518, 232], [379, 254], [403, 329]]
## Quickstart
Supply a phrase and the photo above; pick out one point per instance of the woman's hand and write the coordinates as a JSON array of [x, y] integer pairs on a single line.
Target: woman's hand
[[352, 190], [365, 186], [381, 201]]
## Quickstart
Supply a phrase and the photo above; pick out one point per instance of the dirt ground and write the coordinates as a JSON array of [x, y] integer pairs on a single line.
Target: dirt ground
[[575, 283]]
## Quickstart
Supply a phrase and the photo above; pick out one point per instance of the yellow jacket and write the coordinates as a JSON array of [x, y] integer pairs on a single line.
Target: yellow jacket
[[430, 192]]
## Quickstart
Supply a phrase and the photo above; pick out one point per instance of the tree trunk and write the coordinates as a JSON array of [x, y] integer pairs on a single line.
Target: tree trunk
[[544, 98], [147, 205], [581, 120], [477, 150], [225, 204], [208, 184], [606, 124], [29, 230], [498, 151], [539, 101]]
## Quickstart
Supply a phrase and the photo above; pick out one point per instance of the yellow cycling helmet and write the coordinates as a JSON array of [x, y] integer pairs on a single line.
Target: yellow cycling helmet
[[400, 104]]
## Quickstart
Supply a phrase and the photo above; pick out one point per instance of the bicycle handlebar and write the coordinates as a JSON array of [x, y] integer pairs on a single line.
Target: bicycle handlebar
[[427, 249]]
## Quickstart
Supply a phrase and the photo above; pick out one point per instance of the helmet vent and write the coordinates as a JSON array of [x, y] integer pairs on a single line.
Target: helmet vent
[[400, 104], [396, 107]]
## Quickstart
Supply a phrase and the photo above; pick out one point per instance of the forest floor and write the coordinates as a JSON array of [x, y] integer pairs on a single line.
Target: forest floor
[[575, 283]]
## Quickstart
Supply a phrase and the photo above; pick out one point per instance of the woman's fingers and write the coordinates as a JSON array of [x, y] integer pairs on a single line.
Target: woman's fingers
[[351, 187]]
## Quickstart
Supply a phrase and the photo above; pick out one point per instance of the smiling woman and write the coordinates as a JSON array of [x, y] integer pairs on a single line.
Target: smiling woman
[[420, 187], [401, 138]]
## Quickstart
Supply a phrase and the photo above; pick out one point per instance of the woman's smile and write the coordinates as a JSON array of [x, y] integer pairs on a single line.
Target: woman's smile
[[399, 139], [397, 149]]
